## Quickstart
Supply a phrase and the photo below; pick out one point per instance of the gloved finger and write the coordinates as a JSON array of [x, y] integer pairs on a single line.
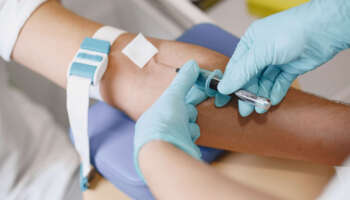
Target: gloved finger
[[281, 86], [185, 79], [195, 152], [240, 72], [266, 83], [195, 96], [192, 112], [195, 131], [245, 109], [221, 100], [241, 49]]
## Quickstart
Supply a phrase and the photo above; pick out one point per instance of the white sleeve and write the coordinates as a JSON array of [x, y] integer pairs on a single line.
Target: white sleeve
[[13, 15]]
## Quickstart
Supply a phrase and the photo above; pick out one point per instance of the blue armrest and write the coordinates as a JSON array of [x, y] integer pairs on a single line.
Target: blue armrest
[[111, 132]]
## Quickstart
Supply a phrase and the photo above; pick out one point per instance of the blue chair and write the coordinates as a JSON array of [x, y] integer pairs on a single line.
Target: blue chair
[[111, 132]]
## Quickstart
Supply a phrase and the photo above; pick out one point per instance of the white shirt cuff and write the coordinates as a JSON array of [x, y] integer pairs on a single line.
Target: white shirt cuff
[[13, 15]]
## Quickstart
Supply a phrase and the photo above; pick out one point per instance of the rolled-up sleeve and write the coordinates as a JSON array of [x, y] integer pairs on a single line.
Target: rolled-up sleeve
[[13, 15]]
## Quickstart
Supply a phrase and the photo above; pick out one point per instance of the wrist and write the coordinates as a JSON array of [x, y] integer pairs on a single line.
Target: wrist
[[146, 153], [152, 146], [144, 138], [144, 158]]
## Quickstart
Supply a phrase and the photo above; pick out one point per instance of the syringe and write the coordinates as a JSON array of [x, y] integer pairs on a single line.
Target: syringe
[[243, 95]]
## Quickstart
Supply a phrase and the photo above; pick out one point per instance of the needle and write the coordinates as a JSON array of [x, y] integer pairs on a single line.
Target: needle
[[243, 95]]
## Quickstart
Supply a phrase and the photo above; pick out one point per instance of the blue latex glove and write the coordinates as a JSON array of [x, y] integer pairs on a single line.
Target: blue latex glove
[[276, 50], [170, 119], [199, 93]]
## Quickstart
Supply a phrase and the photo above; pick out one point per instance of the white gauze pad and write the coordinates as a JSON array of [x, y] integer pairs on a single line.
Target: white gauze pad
[[140, 50]]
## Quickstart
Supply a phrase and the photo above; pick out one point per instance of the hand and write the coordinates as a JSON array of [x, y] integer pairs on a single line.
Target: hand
[[276, 50], [170, 119]]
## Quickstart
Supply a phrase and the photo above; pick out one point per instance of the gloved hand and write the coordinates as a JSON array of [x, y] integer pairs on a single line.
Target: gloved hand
[[276, 50], [171, 119]]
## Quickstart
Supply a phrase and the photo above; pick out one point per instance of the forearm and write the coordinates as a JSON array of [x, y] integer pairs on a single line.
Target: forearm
[[302, 127], [189, 178]]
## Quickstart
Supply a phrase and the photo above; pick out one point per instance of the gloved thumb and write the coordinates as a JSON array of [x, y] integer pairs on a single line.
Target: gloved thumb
[[239, 72], [185, 79]]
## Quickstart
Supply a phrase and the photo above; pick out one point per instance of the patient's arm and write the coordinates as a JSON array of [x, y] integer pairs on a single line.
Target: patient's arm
[[303, 127]]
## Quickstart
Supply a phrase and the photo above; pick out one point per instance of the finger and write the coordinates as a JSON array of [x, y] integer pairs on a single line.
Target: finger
[[240, 72], [195, 131], [241, 49], [195, 96], [185, 79], [192, 112], [245, 109], [195, 151], [281, 86], [221, 100], [266, 83]]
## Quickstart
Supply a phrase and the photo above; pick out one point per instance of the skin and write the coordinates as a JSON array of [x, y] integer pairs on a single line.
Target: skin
[[303, 127], [197, 179]]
